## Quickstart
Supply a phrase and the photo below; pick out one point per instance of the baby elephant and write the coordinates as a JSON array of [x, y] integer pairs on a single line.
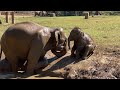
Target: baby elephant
[[83, 44]]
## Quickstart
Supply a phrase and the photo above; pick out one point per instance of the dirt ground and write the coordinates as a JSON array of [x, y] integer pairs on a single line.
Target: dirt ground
[[103, 64]]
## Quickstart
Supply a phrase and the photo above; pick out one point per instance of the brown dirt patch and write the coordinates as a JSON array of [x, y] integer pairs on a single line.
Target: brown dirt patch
[[103, 64]]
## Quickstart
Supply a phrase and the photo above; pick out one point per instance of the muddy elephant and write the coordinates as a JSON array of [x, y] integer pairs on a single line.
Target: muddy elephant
[[30, 41], [83, 44]]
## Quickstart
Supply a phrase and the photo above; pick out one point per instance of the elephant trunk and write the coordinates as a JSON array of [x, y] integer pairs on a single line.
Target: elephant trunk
[[61, 50], [60, 53], [66, 44], [69, 39]]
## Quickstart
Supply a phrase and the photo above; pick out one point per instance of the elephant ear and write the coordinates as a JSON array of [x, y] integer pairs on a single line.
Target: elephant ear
[[57, 34]]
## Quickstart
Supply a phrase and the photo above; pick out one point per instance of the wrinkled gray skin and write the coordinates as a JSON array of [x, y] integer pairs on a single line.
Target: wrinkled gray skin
[[29, 41], [83, 44]]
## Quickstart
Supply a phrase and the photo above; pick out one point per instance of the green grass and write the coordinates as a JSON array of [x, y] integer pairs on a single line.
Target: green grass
[[105, 30]]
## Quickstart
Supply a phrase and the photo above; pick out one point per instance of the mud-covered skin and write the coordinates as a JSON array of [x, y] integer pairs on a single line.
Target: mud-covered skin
[[83, 44], [30, 41]]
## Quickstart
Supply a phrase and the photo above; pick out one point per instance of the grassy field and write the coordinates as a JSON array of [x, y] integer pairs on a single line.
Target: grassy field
[[105, 30]]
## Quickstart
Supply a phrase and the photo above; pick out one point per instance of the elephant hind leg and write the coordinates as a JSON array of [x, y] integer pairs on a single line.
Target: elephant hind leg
[[92, 48], [88, 51], [13, 63]]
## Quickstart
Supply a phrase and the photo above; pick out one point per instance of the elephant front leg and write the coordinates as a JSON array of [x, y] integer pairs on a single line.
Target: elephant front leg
[[73, 51], [34, 54], [36, 61], [43, 62], [31, 65], [79, 52]]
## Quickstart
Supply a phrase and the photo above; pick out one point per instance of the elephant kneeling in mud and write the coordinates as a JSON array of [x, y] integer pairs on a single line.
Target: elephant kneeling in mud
[[30, 41], [83, 44]]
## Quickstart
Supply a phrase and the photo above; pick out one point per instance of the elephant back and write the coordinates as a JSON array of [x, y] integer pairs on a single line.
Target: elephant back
[[18, 37]]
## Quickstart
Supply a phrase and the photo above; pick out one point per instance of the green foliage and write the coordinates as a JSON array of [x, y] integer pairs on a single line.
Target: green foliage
[[81, 13], [111, 13]]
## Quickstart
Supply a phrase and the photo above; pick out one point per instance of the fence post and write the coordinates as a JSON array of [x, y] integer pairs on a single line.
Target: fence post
[[6, 14], [0, 19], [0, 22], [86, 15], [12, 16]]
